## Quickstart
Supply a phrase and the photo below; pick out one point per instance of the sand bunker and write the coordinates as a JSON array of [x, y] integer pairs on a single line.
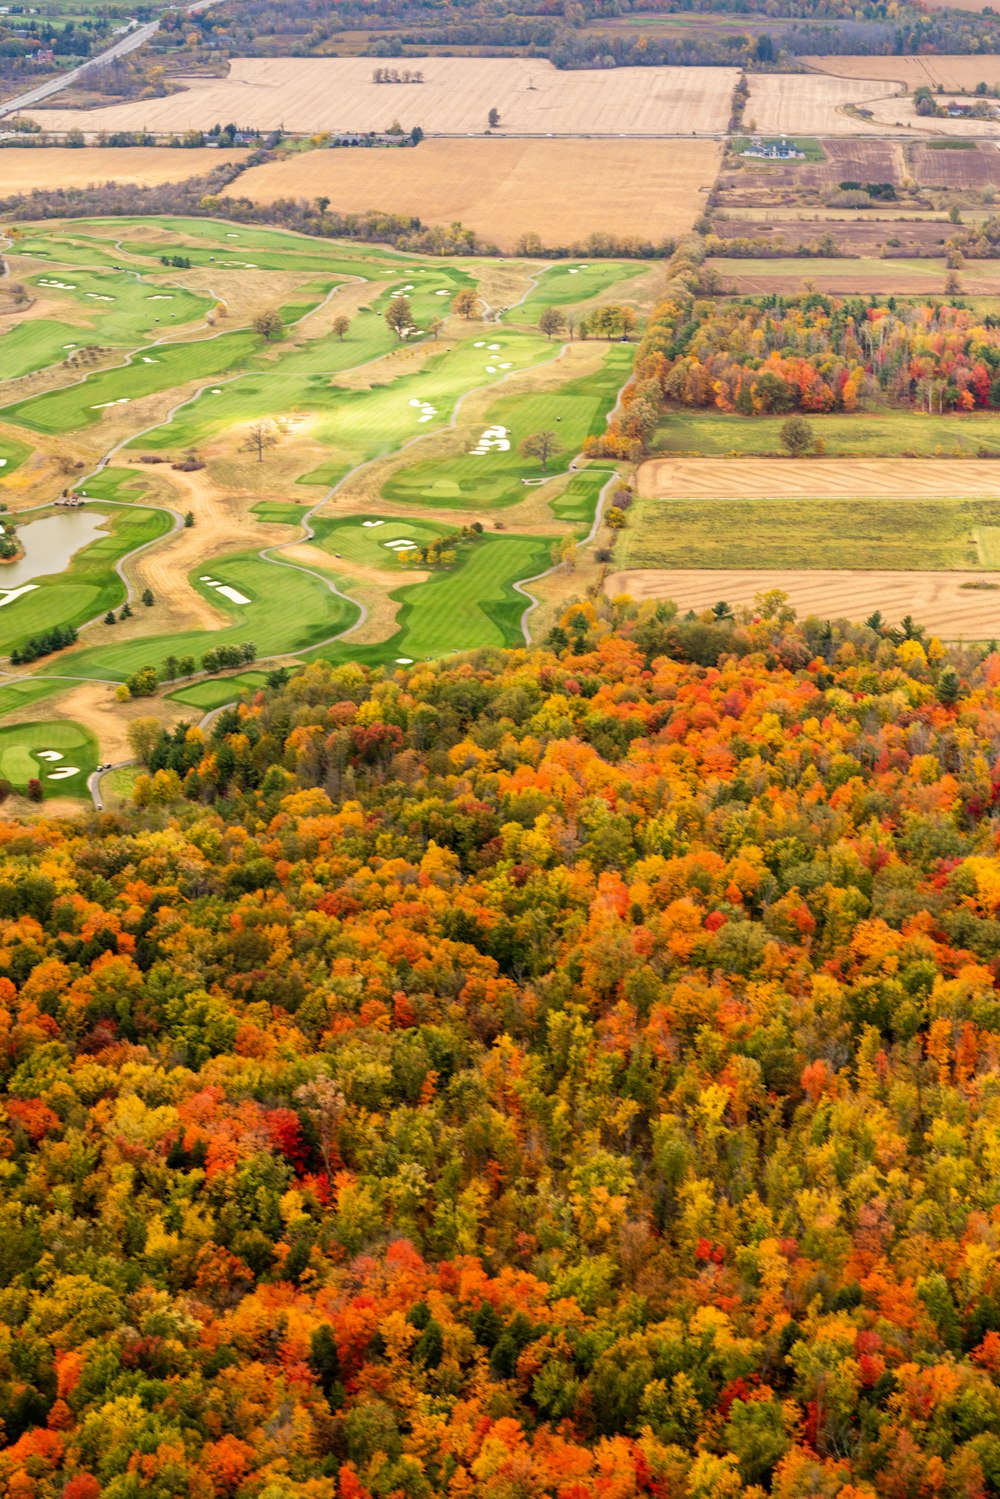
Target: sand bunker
[[369, 523], [233, 594], [493, 439], [10, 595], [63, 773]]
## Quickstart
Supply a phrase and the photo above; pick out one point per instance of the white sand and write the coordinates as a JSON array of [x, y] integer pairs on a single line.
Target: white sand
[[404, 660], [369, 523], [15, 593], [50, 755], [63, 773], [233, 594]]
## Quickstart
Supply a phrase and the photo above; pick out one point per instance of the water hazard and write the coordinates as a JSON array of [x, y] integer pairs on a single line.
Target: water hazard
[[49, 544]]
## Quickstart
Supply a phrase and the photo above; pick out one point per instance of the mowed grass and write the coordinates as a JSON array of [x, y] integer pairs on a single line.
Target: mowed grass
[[289, 611], [577, 503], [474, 604], [573, 411], [89, 586], [909, 535], [360, 541], [124, 485], [219, 690], [889, 434], [576, 281], [280, 512], [12, 454], [162, 368], [20, 761]]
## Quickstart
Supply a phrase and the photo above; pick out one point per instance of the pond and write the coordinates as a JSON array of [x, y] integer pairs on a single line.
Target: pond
[[49, 544]]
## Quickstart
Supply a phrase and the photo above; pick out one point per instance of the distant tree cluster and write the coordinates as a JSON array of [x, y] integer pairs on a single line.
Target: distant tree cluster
[[393, 75], [43, 644]]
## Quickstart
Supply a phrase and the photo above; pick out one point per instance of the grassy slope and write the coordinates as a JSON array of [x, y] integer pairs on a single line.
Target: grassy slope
[[889, 434]]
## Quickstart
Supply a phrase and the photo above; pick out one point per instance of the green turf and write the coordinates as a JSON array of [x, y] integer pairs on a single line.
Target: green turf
[[577, 503], [573, 282], [212, 694], [280, 512], [289, 611], [88, 586], [573, 411], [887, 434], [20, 761], [916, 535], [352, 539], [117, 785], [13, 453], [123, 485]]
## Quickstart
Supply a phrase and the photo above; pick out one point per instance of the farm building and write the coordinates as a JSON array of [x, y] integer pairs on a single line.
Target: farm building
[[782, 150]]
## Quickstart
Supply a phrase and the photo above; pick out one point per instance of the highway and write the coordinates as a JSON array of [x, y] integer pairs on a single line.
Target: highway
[[121, 48]]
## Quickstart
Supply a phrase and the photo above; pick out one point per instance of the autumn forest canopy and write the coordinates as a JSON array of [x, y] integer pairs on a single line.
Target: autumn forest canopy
[[554, 1073]]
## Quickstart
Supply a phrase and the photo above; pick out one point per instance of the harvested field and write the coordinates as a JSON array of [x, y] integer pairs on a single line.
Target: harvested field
[[936, 600], [959, 72], [819, 478], [810, 103], [338, 94], [864, 234], [502, 189], [976, 168], [864, 275], [141, 166]]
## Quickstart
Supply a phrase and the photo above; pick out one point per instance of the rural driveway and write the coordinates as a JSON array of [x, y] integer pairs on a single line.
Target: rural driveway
[[125, 44]]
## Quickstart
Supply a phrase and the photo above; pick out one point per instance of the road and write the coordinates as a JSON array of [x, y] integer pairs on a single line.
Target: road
[[121, 48]]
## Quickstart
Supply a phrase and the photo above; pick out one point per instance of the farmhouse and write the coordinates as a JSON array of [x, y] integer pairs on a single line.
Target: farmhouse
[[782, 150]]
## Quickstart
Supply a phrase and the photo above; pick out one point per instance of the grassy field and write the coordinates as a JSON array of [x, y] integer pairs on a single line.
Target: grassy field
[[12, 455], [289, 611], [280, 512], [577, 281], [911, 535], [889, 434], [212, 694], [573, 411], [363, 539], [124, 485], [21, 760], [88, 586]]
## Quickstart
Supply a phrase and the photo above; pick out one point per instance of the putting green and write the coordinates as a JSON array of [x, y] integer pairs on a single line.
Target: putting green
[[365, 539], [58, 753]]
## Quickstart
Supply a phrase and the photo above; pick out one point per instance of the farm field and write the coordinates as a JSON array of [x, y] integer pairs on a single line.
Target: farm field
[[811, 103], [504, 189], [746, 182], [948, 72], [817, 478], [899, 534], [860, 275], [889, 434], [21, 169], [338, 94], [938, 600]]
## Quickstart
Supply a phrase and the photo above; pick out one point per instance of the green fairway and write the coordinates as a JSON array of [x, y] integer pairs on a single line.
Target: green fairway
[[280, 512], [59, 754], [88, 586], [212, 694], [577, 503], [573, 411], [12, 455], [124, 485], [887, 434], [575, 281], [288, 610], [929, 535], [364, 539]]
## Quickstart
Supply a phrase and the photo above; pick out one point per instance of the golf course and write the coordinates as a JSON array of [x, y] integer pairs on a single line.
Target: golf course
[[245, 448]]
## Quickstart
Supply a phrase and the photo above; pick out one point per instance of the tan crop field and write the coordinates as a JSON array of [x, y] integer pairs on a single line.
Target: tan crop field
[[559, 190], [21, 168], [338, 94], [865, 275], [811, 103], [949, 72], [937, 600], [819, 478]]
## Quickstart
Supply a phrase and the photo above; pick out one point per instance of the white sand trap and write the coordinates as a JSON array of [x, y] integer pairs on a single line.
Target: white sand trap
[[122, 401], [415, 402], [233, 594], [147, 360], [480, 344], [574, 273], [442, 294], [215, 391], [532, 482], [212, 582], [161, 296], [495, 346], [63, 773], [369, 523], [404, 660], [399, 546], [232, 236], [507, 366], [98, 296], [491, 369], [408, 286], [15, 593], [3, 463], [69, 346], [50, 755]]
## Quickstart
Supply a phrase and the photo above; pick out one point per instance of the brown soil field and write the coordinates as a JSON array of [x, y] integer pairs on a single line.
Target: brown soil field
[[338, 94], [959, 72], [560, 190], [811, 104], [819, 478], [744, 182], [862, 235], [143, 166], [933, 167], [937, 600]]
